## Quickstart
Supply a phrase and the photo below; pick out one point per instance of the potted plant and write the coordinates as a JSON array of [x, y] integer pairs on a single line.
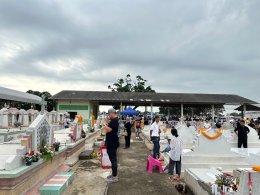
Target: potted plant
[[56, 146], [28, 159]]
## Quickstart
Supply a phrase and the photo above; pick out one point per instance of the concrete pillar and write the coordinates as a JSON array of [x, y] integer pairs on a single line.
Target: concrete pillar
[[121, 106], [25, 119], [182, 111], [13, 119], [152, 111], [5, 120], [168, 112], [213, 112], [244, 111]]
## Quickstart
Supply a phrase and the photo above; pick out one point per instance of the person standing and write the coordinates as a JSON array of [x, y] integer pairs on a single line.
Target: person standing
[[155, 136], [112, 143], [175, 155], [137, 129], [128, 127], [207, 124], [242, 132], [252, 124]]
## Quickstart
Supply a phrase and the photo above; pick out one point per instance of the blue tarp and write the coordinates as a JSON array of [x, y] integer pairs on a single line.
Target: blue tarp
[[129, 111]]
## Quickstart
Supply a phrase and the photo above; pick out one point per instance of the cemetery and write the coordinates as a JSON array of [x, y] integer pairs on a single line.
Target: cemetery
[[36, 148], [37, 151]]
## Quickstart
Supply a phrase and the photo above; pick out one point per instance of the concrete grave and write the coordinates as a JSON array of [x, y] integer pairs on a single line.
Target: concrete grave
[[41, 132]]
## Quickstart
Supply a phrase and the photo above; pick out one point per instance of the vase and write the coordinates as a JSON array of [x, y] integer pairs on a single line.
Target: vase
[[28, 163], [57, 148]]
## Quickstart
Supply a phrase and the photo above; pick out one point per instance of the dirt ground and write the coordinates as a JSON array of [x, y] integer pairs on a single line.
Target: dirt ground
[[133, 177]]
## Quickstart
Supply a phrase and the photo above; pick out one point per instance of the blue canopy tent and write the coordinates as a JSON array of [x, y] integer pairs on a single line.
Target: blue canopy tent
[[129, 111]]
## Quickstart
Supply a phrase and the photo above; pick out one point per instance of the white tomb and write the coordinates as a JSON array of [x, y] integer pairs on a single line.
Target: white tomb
[[11, 156], [4, 118], [211, 153]]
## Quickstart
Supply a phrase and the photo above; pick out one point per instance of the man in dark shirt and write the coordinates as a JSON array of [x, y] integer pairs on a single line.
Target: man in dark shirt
[[242, 132], [112, 143]]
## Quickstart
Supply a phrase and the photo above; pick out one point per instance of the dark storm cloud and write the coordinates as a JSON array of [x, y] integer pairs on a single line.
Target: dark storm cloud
[[189, 46]]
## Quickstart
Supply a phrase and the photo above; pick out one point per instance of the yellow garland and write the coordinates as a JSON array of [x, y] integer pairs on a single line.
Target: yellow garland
[[217, 135], [202, 129]]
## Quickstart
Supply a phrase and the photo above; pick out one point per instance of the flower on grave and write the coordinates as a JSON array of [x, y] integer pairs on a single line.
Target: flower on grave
[[72, 137], [56, 144], [83, 133], [27, 157], [47, 152], [227, 181], [35, 156]]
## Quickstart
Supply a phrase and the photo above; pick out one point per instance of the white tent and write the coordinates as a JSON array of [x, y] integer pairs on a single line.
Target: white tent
[[10, 94]]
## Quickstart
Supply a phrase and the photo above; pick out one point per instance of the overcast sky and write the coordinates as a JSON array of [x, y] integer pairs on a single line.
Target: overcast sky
[[177, 45]]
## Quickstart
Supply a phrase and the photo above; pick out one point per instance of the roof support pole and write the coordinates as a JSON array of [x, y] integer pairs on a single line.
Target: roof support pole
[[182, 117], [244, 111], [168, 112], [121, 106], [152, 112], [212, 112]]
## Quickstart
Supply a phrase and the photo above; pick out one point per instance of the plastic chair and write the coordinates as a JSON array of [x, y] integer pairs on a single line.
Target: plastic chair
[[151, 162]]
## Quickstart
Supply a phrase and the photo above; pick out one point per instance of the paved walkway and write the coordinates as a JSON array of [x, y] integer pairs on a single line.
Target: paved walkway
[[133, 178]]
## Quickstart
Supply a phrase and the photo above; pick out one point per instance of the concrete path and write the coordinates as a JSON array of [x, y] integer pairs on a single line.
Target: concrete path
[[133, 178]]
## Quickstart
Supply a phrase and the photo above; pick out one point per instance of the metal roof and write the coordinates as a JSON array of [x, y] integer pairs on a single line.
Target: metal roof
[[10, 94], [250, 107], [143, 98]]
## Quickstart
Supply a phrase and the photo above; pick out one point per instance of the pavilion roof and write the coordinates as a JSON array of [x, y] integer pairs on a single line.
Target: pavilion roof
[[10, 94], [250, 107], [143, 98]]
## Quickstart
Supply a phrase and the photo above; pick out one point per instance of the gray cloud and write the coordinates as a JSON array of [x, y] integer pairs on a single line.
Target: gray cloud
[[178, 46]]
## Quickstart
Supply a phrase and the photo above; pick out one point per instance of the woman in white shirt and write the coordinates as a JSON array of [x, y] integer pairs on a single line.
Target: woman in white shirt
[[175, 155]]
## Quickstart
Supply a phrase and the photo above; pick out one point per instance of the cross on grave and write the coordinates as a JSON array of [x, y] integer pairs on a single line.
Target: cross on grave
[[43, 104]]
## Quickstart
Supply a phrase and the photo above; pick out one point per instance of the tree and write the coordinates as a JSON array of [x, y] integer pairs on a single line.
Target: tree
[[235, 114], [50, 103], [22, 105], [129, 85]]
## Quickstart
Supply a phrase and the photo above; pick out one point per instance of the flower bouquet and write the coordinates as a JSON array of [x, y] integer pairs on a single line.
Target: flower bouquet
[[35, 156], [226, 183], [47, 153], [56, 146], [28, 158]]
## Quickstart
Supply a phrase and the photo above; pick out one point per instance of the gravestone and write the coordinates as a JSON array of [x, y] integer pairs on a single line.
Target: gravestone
[[41, 131], [4, 117]]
